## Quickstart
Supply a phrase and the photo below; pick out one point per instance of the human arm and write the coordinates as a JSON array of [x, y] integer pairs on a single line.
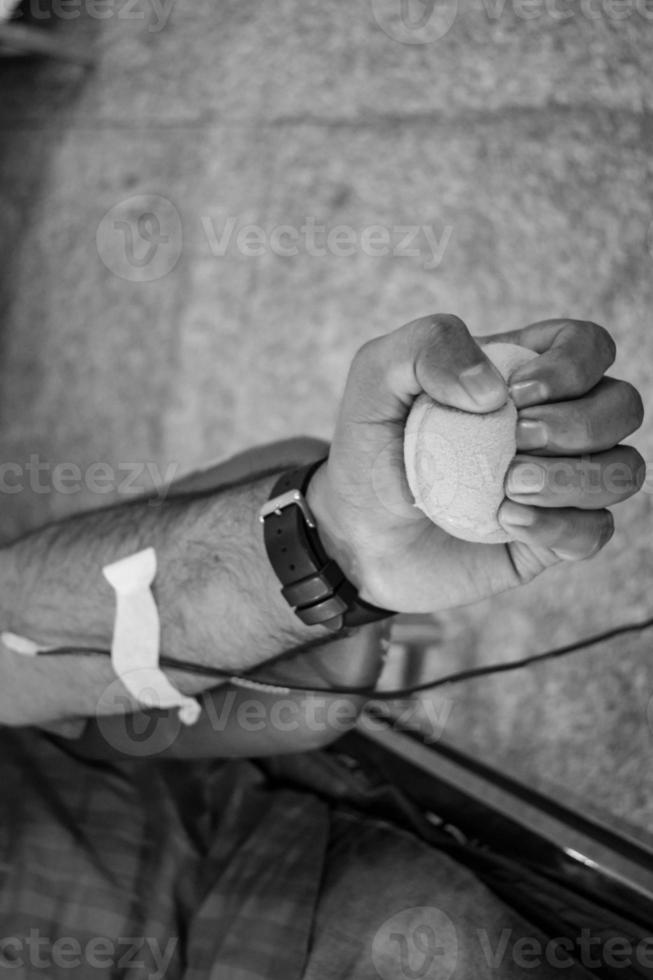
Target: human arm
[[218, 598]]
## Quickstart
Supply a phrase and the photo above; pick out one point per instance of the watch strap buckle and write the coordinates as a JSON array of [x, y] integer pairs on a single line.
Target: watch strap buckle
[[289, 499]]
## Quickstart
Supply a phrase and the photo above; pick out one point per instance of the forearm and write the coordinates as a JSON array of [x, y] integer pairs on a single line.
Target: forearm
[[218, 599], [241, 722]]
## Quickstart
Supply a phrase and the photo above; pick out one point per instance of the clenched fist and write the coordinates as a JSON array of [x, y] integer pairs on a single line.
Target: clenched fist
[[569, 410]]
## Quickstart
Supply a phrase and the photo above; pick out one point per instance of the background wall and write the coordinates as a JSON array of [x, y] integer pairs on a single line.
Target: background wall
[[521, 137]]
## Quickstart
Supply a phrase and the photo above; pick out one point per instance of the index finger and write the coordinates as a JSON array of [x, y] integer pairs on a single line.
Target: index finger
[[574, 356]]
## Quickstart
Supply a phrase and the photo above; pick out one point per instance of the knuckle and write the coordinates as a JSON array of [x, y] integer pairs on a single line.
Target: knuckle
[[601, 338], [628, 459], [368, 368], [583, 426], [580, 372], [572, 370], [443, 328], [581, 535], [441, 341], [638, 470], [636, 405], [548, 527], [368, 355], [624, 477], [589, 535], [606, 343], [437, 332], [420, 332], [366, 350], [573, 426], [449, 325]]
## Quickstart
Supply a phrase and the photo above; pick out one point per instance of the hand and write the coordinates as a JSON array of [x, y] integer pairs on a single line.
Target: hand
[[571, 421]]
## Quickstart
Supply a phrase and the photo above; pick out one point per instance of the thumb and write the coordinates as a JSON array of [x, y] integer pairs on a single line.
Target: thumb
[[453, 369], [435, 354]]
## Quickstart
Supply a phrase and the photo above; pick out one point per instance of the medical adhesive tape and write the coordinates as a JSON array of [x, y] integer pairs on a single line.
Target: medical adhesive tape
[[136, 636]]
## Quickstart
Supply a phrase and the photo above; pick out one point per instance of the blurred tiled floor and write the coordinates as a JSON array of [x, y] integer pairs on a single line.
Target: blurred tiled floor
[[527, 140]]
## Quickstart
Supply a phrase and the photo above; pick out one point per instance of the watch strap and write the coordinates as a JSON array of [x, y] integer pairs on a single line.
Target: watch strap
[[312, 583]]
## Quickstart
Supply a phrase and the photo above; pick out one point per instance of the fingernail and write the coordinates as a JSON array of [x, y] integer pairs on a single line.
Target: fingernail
[[516, 515], [531, 434], [525, 478], [485, 385], [525, 393]]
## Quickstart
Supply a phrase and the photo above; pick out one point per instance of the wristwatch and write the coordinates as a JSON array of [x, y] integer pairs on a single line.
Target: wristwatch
[[312, 583]]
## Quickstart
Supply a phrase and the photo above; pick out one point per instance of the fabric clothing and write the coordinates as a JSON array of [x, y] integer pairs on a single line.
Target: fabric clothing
[[208, 870]]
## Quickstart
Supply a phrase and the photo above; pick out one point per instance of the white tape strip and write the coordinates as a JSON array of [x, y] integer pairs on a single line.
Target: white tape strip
[[21, 644], [136, 635]]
